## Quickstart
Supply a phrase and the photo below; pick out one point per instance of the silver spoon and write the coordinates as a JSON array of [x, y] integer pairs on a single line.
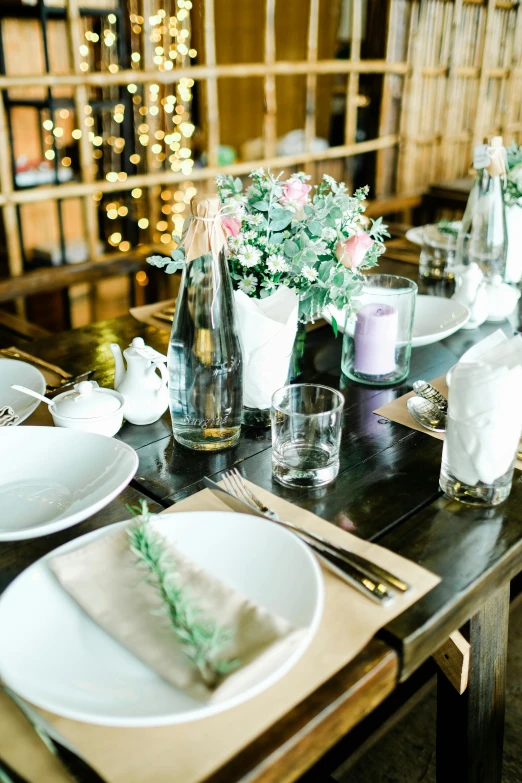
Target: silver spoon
[[429, 392], [32, 393], [427, 414]]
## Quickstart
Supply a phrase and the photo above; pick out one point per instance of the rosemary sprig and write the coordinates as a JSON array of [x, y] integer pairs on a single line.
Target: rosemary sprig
[[201, 639]]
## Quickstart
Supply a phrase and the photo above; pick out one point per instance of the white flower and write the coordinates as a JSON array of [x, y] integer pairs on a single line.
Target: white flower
[[249, 256], [235, 243], [248, 284], [262, 240], [329, 233], [269, 285], [309, 273], [258, 173], [255, 220], [277, 263], [320, 247], [249, 235]]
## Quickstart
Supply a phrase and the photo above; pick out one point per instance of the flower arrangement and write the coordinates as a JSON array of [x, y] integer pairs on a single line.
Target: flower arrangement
[[311, 239], [513, 190]]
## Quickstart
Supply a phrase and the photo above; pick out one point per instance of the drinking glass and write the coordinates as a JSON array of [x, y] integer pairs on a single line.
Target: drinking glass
[[437, 257], [306, 434], [457, 479], [377, 339]]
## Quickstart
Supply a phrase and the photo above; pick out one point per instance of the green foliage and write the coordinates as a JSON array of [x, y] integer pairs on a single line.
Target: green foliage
[[291, 234], [513, 189], [201, 639]]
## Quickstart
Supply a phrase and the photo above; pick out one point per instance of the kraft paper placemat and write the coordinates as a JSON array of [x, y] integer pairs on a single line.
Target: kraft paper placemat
[[398, 412], [189, 753]]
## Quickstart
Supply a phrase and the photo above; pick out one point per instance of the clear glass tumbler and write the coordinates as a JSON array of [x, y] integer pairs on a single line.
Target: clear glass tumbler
[[462, 461], [437, 258], [306, 434], [377, 339]]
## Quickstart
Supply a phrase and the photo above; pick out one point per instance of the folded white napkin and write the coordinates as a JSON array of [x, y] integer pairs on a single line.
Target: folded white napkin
[[485, 410], [267, 329]]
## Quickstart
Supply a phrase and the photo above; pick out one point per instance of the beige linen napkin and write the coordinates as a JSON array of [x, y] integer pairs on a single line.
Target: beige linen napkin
[[189, 753], [104, 579], [397, 411], [145, 314]]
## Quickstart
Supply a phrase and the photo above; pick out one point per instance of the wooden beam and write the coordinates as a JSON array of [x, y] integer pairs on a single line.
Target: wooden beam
[[270, 118], [199, 72], [169, 177], [453, 660]]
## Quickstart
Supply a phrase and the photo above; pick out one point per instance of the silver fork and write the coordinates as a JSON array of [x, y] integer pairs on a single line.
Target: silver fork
[[237, 487]]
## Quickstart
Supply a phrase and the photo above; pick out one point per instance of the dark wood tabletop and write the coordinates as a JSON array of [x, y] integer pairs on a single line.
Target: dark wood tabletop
[[387, 492]]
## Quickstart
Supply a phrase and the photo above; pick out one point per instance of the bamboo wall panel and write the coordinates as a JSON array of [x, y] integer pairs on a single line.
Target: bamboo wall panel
[[443, 75]]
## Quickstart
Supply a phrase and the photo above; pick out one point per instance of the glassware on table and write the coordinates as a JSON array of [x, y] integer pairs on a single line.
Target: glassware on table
[[377, 339], [437, 257], [204, 356], [481, 493], [306, 434]]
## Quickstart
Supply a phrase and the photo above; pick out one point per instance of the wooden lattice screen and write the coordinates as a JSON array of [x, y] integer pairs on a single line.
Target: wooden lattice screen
[[450, 73]]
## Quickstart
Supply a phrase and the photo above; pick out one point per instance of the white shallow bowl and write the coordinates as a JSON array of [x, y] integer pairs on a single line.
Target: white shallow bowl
[[52, 478], [23, 374], [55, 656], [415, 234], [435, 319]]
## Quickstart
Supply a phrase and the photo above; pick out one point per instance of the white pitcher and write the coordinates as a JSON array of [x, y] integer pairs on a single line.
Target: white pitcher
[[145, 392]]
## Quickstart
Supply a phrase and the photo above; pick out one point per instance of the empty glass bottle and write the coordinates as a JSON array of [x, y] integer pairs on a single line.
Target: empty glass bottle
[[204, 357]]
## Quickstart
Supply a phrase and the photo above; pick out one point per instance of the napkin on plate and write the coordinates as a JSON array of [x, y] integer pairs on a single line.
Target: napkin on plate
[[103, 578], [485, 410], [267, 329]]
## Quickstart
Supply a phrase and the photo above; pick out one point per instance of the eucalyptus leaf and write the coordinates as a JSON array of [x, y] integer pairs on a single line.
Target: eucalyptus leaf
[[335, 326], [290, 248], [262, 206], [315, 228]]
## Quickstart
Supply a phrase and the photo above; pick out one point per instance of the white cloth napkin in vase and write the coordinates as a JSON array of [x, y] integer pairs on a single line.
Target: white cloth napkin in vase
[[103, 578], [485, 410], [267, 329]]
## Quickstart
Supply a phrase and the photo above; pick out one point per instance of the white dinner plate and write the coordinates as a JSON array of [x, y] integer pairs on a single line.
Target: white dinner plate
[[52, 478], [23, 374], [435, 319], [415, 234], [55, 656]]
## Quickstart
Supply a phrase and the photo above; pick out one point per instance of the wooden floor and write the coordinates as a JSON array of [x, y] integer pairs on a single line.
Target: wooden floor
[[407, 753]]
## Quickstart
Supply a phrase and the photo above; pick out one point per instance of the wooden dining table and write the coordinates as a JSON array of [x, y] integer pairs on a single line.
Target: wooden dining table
[[387, 492]]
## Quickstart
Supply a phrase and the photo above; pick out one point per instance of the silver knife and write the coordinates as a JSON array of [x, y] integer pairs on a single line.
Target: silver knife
[[333, 558]]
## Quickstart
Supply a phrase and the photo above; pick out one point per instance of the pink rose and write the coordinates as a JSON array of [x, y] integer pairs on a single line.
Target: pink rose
[[352, 251], [295, 192], [231, 225]]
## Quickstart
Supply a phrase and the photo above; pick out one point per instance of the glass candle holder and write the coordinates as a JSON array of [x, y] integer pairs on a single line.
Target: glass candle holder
[[306, 435], [377, 339], [437, 257]]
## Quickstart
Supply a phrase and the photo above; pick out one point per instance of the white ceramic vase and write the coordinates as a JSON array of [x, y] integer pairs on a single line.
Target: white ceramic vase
[[267, 331]]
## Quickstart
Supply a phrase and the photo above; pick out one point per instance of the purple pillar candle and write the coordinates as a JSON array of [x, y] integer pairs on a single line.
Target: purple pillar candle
[[375, 339]]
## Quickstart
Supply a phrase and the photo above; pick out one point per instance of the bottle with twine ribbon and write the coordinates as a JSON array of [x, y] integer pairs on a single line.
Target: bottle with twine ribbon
[[204, 357], [482, 236]]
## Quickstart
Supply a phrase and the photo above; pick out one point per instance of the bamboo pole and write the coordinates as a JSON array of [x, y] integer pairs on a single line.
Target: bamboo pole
[[270, 119], [236, 71], [212, 87], [86, 158], [6, 179], [170, 177], [311, 77], [480, 125], [350, 120]]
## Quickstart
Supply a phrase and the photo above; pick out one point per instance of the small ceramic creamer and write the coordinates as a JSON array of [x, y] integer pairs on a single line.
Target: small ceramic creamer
[[144, 391]]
